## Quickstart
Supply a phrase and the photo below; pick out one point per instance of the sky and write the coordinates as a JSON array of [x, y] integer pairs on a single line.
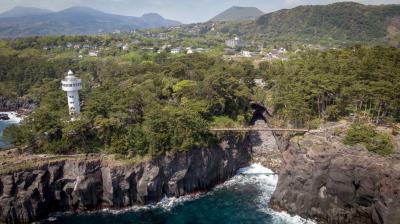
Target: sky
[[186, 11]]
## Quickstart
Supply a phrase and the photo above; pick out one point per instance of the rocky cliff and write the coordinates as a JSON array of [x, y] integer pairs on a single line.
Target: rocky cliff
[[16, 104], [324, 179], [89, 183], [265, 147]]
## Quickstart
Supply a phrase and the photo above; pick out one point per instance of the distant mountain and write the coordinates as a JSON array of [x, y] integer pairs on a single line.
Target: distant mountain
[[238, 14], [342, 22], [24, 11], [78, 21], [155, 20]]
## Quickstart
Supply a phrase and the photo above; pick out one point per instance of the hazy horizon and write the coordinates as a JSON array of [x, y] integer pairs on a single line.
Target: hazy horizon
[[181, 10]]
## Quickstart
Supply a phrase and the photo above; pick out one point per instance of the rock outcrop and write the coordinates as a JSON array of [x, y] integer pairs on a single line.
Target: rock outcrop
[[265, 148], [4, 117], [326, 180], [16, 104], [93, 183]]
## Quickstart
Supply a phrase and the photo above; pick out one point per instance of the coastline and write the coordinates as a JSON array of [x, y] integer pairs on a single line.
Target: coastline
[[95, 183], [14, 116], [261, 178]]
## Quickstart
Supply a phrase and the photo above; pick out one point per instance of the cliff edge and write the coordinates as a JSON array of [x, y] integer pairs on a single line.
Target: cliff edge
[[324, 179], [33, 186]]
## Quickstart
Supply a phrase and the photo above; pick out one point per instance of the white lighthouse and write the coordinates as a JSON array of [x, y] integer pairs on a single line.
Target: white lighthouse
[[71, 84]]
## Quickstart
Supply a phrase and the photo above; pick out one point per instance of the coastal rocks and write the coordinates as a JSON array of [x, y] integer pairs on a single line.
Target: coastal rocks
[[4, 117], [326, 180], [16, 104], [92, 183]]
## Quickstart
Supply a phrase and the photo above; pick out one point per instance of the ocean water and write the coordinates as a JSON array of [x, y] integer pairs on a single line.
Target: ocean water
[[3, 124], [242, 199]]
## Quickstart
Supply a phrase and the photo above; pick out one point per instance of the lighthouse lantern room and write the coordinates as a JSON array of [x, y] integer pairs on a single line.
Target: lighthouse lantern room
[[71, 84]]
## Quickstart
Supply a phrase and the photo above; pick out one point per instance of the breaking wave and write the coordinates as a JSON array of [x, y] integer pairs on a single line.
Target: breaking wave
[[248, 193]]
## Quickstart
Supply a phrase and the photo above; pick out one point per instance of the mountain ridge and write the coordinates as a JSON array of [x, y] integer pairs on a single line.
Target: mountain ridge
[[78, 20], [346, 20], [238, 13], [21, 11], [342, 22]]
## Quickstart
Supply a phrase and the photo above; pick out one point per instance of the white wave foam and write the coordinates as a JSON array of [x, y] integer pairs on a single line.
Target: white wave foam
[[256, 175], [266, 181], [255, 169], [167, 203], [288, 219], [14, 118]]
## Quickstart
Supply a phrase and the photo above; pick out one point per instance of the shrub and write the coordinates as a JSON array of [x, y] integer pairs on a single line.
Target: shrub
[[18, 135], [366, 135], [337, 131], [55, 147], [314, 124], [223, 121], [183, 85], [395, 130], [332, 113]]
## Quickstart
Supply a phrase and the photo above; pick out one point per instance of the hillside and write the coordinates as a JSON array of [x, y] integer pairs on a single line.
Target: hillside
[[238, 14], [77, 20], [24, 11], [340, 22]]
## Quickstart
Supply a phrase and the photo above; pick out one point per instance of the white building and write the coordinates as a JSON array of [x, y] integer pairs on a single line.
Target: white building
[[93, 53], [189, 50], [176, 50], [71, 84], [260, 83], [247, 54], [234, 43], [282, 50], [125, 47]]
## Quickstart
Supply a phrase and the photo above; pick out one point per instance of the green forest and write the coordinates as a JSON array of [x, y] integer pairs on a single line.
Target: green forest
[[340, 24], [144, 103], [336, 83]]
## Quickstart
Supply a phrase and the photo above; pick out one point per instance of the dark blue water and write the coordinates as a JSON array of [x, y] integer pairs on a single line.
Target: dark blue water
[[243, 199]]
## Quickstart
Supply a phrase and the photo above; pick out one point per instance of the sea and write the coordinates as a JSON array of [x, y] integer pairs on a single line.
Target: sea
[[242, 199], [3, 124]]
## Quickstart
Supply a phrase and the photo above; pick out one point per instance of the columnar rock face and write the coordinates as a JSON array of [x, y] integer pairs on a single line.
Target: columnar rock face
[[15, 104], [89, 184], [324, 179]]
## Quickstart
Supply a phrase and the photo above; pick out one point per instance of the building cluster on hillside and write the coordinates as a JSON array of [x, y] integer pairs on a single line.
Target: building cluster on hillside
[[170, 41], [188, 50], [160, 36]]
